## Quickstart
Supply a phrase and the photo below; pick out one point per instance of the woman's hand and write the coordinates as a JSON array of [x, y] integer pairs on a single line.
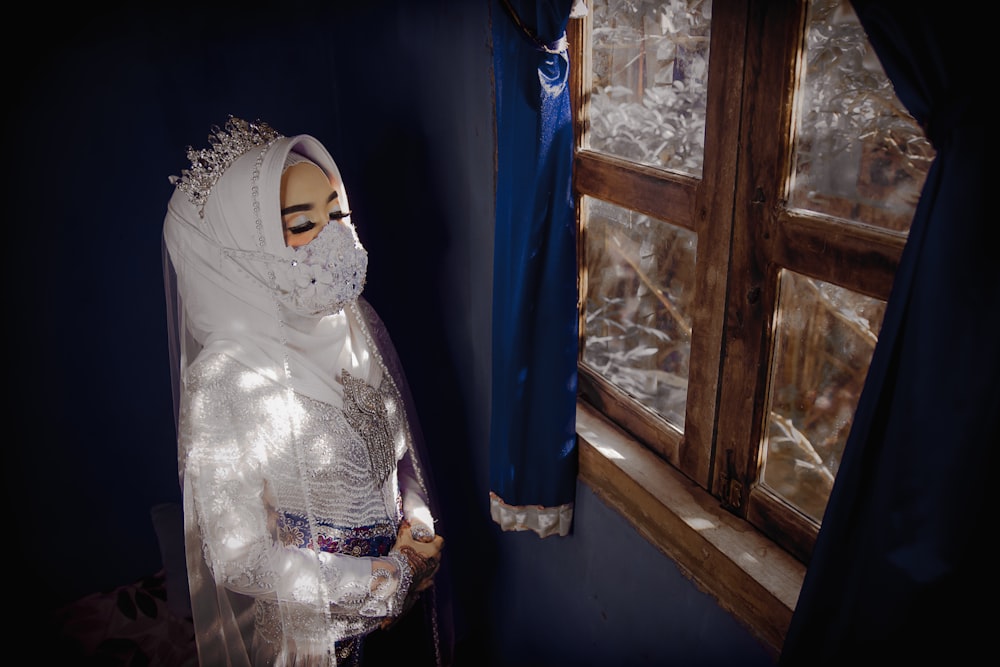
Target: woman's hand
[[422, 553], [424, 557]]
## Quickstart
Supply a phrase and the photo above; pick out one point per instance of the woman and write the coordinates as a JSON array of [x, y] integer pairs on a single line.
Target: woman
[[307, 516]]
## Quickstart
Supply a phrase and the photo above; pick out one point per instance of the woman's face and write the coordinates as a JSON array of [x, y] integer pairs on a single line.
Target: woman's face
[[308, 203]]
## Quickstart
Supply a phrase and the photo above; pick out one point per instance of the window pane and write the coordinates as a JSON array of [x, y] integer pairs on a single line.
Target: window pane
[[640, 281], [824, 339], [650, 70], [859, 154]]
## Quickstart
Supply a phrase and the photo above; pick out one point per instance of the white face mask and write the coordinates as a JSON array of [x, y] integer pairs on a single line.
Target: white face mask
[[326, 274], [323, 276]]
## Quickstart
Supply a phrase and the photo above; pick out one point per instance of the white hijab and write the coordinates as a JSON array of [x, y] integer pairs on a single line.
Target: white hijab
[[227, 303]]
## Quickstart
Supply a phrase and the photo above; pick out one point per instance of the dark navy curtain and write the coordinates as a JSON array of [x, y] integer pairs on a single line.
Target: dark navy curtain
[[902, 565], [533, 455]]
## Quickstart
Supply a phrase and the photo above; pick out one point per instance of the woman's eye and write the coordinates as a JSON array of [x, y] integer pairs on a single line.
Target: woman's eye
[[301, 225], [339, 215]]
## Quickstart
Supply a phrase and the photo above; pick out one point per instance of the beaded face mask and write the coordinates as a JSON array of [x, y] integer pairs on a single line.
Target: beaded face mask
[[321, 277], [326, 274]]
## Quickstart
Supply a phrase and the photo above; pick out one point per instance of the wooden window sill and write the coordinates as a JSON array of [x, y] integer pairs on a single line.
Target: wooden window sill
[[749, 575]]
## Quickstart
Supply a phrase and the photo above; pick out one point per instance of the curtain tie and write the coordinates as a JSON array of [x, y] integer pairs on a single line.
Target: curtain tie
[[556, 47]]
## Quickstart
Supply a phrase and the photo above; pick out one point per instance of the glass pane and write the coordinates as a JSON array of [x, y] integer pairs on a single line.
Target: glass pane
[[650, 73], [824, 339], [640, 281], [859, 154]]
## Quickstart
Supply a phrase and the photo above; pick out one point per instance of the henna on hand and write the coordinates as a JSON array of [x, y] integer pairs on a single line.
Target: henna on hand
[[422, 567]]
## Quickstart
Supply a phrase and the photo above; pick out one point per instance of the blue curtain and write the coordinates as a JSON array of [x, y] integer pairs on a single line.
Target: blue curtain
[[533, 454], [902, 561]]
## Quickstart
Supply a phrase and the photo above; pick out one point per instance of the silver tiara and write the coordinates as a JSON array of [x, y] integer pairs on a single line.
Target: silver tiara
[[226, 145]]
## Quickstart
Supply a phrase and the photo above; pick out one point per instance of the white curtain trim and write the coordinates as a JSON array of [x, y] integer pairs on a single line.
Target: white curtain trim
[[545, 521]]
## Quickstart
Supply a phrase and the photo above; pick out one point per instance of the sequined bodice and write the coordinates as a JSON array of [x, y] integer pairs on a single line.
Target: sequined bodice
[[325, 453]]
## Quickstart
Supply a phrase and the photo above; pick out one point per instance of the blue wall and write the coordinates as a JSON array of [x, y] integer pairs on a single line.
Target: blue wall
[[99, 115]]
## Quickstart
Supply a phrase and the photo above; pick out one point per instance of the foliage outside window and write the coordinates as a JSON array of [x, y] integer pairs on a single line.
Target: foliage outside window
[[859, 154], [638, 324], [650, 67]]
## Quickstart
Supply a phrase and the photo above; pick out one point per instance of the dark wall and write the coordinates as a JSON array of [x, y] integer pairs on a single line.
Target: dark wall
[[101, 107]]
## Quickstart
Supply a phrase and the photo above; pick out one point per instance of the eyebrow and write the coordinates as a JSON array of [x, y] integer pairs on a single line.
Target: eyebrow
[[295, 208]]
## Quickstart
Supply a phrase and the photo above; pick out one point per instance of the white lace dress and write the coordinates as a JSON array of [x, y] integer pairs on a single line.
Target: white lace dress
[[291, 499]]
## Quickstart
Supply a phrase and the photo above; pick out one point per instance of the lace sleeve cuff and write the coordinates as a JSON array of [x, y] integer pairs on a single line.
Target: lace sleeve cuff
[[394, 597]]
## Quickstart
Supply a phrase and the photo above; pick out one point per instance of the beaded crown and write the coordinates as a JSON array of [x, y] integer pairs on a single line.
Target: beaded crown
[[226, 145]]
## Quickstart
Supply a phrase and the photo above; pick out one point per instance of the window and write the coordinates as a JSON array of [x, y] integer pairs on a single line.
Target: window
[[745, 178]]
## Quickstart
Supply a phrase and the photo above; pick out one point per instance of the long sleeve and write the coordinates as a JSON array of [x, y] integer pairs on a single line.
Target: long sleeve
[[416, 508]]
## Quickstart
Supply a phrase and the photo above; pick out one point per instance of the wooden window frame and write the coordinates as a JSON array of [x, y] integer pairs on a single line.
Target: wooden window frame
[[695, 494]]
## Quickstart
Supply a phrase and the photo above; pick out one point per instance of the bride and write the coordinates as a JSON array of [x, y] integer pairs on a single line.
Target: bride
[[308, 518]]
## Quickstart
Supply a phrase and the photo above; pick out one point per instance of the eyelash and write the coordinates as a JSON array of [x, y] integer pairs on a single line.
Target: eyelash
[[303, 228], [309, 225]]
